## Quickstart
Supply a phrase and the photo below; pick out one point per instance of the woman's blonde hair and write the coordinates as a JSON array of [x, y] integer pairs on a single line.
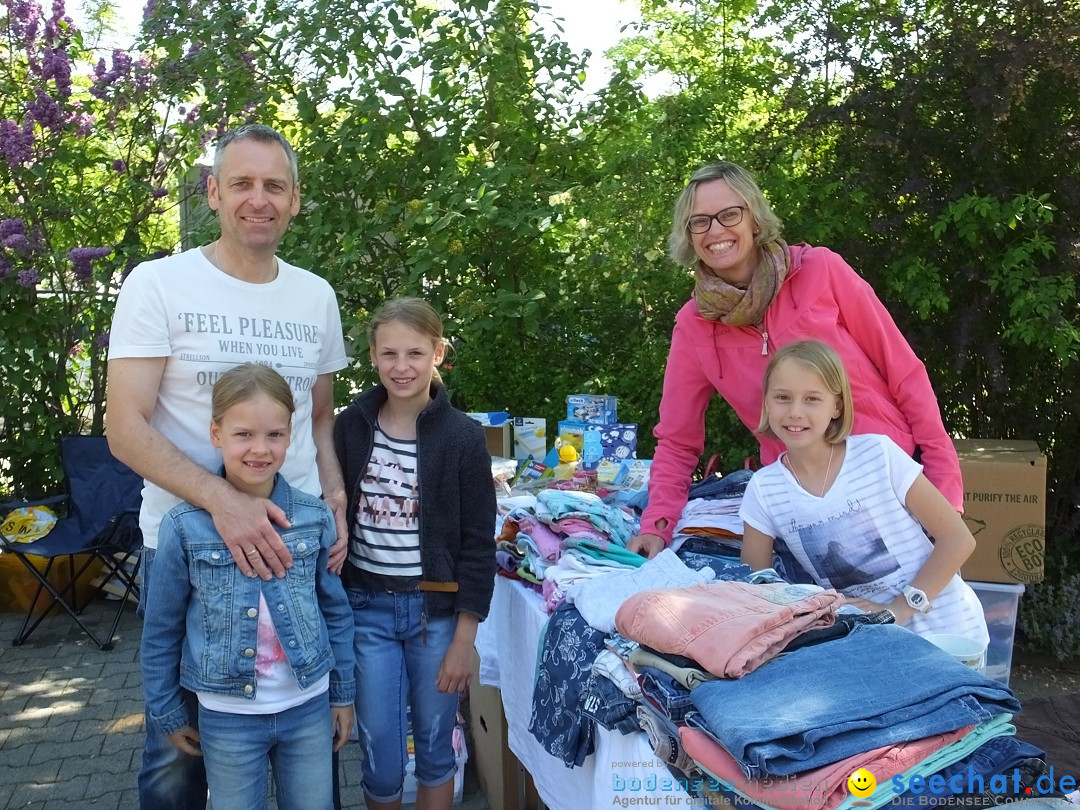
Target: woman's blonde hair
[[681, 246], [822, 359], [243, 382], [417, 314]]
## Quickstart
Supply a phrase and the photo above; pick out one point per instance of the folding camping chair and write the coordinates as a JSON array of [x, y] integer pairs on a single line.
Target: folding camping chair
[[102, 523]]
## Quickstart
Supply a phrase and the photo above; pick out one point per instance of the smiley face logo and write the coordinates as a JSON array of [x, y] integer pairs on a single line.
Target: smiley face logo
[[861, 783]]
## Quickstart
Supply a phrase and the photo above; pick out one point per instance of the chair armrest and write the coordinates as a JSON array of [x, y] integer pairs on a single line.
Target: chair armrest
[[6, 506]]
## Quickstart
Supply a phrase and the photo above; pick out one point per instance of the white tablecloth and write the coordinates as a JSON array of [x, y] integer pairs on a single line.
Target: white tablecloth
[[508, 645]]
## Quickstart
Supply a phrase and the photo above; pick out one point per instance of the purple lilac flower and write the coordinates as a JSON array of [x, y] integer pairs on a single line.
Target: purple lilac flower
[[158, 193], [5, 267], [46, 111], [52, 27], [148, 10], [99, 69], [28, 277], [144, 77], [16, 145], [56, 66], [102, 340], [11, 226], [17, 242], [82, 258], [121, 62], [24, 16], [83, 123], [119, 166]]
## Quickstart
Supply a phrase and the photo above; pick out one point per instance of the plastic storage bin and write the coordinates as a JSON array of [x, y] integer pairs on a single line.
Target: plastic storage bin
[[999, 602]]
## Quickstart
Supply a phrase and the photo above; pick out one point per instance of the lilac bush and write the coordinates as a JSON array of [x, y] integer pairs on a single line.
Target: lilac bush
[[90, 150]]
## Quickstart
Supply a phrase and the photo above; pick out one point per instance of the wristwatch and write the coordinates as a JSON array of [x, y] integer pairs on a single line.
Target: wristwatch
[[917, 599]]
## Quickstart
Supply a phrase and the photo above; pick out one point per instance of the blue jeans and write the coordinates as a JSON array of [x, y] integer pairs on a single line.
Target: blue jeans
[[880, 684], [297, 742], [168, 779], [398, 654], [668, 695], [605, 703]]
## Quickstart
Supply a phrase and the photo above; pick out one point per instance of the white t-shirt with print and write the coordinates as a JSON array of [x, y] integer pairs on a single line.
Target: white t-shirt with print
[[204, 322], [859, 538]]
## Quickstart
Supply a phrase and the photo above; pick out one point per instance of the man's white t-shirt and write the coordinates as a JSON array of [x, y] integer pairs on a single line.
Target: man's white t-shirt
[[204, 322], [859, 538]]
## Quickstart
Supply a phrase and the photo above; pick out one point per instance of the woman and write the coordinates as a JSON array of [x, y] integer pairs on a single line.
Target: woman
[[754, 293]]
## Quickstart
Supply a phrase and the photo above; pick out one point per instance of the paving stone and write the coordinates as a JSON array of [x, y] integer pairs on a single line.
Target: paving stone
[[54, 751]]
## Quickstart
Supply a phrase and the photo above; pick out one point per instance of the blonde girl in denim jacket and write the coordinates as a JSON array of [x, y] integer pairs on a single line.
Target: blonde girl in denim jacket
[[271, 663]]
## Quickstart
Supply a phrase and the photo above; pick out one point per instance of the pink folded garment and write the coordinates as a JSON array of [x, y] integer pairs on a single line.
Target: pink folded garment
[[729, 628], [824, 787]]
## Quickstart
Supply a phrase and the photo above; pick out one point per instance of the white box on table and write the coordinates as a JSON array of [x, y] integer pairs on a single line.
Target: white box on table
[[999, 601]]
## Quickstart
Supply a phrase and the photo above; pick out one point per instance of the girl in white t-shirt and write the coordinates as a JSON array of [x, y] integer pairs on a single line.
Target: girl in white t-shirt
[[853, 513]]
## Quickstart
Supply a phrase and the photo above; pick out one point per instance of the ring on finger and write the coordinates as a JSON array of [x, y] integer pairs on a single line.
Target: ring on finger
[[252, 552]]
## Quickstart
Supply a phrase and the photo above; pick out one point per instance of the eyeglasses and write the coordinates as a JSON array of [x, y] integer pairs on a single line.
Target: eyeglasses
[[729, 218]]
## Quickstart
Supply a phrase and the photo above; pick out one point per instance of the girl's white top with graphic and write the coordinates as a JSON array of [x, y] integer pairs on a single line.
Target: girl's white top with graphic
[[859, 538], [276, 687], [388, 511]]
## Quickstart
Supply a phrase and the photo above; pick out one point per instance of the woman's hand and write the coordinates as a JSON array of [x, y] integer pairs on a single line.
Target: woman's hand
[[647, 545]]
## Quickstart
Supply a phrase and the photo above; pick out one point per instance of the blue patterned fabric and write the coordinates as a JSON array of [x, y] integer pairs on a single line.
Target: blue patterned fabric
[[568, 649]]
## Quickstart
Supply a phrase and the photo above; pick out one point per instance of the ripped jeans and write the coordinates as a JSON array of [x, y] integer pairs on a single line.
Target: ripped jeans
[[398, 656]]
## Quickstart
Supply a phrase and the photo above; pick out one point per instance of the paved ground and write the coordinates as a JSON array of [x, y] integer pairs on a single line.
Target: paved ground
[[71, 720]]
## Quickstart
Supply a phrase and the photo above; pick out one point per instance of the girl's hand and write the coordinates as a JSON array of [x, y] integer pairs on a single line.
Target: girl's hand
[[186, 740], [900, 608], [344, 718], [456, 670]]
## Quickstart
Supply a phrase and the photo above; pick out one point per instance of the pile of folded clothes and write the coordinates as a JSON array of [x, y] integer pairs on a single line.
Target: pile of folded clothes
[[773, 693]]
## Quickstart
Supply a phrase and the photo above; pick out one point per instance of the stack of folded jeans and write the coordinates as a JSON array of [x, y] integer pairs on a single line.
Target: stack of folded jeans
[[877, 686]]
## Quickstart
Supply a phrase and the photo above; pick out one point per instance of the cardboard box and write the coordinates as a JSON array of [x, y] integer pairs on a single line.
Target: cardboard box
[[592, 409], [506, 785], [496, 431], [530, 437], [1005, 509]]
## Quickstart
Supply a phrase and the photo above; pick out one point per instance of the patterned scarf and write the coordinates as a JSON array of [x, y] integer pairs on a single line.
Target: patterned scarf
[[719, 301]]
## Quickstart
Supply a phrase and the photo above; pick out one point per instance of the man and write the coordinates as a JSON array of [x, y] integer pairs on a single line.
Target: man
[[180, 323]]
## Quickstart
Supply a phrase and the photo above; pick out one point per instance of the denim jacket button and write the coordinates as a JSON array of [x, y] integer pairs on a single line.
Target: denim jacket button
[[301, 547], [249, 653], [249, 689], [280, 607], [252, 613], [292, 642], [215, 555]]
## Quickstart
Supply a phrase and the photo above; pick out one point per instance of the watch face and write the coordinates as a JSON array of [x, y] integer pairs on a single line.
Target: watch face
[[916, 598]]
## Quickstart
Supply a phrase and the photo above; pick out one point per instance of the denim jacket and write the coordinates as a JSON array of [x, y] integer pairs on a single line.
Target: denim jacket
[[201, 625]]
